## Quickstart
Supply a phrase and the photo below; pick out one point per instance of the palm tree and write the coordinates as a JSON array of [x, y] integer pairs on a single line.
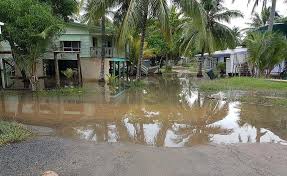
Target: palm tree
[[95, 11], [272, 11], [262, 19], [203, 30], [137, 15], [272, 15], [237, 33], [265, 51]]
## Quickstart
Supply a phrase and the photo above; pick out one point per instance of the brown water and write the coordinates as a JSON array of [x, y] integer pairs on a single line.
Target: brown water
[[169, 112]]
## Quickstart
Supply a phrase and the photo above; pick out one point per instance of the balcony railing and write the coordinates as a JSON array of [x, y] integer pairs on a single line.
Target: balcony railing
[[96, 52]]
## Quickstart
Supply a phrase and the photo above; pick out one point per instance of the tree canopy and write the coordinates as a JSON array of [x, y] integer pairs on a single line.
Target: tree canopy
[[62, 8], [29, 28], [266, 49]]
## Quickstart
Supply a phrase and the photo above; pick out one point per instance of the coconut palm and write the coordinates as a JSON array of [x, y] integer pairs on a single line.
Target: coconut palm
[[265, 51], [134, 42], [272, 11], [262, 19], [137, 15], [237, 33], [203, 30], [96, 10]]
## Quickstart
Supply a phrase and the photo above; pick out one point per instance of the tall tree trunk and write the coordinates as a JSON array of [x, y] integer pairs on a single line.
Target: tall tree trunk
[[272, 15], [103, 52], [199, 73], [33, 78], [143, 33]]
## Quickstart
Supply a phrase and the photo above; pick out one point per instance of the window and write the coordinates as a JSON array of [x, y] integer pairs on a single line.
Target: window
[[71, 45], [95, 42], [108, 42]]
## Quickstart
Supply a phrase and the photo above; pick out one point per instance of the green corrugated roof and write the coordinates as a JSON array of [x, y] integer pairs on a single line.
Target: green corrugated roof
[[118, 59], [279, 27], [92, 29]]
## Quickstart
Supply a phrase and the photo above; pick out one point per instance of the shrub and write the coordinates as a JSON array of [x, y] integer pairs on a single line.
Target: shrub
[[12, 132], [168, 69], [69, 73]]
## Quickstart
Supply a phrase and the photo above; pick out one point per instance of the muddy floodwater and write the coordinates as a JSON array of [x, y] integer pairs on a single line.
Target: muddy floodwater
[[168, 111]]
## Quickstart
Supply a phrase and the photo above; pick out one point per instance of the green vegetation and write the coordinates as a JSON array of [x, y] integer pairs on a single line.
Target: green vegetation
[[64, 9], [30, 26], [266, 101], [268, 14], [68, 73], [242, 83], [136, 20], [113, 82], [167, 69], [204, 31], [136, 84], [69, 91], [12, 132], [265, 51]]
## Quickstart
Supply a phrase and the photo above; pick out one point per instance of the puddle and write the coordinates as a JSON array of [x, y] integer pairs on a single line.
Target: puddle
[[169, 112]]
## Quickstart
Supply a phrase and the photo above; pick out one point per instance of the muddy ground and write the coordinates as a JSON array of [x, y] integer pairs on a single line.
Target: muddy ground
[[75, 157]]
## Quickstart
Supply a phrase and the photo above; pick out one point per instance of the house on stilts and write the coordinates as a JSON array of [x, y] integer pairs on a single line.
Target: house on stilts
[[78, 48]]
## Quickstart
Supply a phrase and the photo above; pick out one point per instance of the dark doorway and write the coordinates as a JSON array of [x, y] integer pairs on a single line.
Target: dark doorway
[[50, 74]]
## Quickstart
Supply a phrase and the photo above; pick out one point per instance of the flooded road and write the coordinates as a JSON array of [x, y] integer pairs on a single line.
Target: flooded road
[[168, 112]]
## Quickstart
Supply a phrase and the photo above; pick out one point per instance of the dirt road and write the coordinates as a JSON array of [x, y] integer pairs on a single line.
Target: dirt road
[[73, 157]]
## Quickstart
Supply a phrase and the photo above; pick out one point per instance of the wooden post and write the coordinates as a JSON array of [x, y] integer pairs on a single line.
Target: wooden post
[[119, 69], [114, 68], [124, 73], [79, 70], [127, 71], [2, 73], [57, 71]]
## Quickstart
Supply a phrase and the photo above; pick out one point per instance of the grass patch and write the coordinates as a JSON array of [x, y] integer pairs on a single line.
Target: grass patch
[[137, 84], [11, 132], [267, 101], [166, 69], [242, 83], [61, 92]]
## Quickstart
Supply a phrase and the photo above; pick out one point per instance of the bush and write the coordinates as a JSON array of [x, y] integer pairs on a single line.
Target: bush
[[68, 73], [168, 69], [136, 84], [221, 68], [68, 91], [12, 132], [113, 80]]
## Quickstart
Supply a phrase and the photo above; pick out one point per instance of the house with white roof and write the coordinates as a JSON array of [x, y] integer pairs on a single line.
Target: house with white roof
[[234, 59]]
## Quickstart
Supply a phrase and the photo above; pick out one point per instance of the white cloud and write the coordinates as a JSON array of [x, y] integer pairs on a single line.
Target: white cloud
[[247, 9]]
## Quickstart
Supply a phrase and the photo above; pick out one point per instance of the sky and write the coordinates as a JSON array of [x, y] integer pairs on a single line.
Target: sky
[[247, 9]]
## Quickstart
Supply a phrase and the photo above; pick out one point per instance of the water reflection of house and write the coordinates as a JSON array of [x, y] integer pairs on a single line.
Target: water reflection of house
[[185, 120], [77, 42]]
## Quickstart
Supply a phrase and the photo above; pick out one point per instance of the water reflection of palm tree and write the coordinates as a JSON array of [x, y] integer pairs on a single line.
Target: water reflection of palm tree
[[194, 124], [198, 130], [266, 117], [195, 117]]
